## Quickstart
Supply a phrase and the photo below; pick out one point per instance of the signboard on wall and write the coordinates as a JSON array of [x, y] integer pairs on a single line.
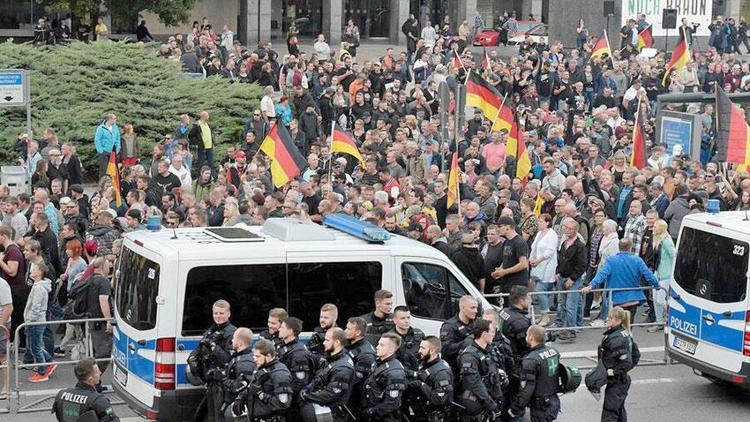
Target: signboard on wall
[[696, 11], [676, 128]]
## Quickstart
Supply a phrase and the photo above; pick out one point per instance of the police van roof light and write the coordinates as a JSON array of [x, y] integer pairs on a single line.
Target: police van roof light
[[360, 229]]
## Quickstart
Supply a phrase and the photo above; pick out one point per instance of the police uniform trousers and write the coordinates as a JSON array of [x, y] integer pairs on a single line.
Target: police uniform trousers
[[544, 410], [614, 399]]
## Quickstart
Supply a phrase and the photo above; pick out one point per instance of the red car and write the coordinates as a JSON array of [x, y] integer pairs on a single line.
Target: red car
[[496, 36]]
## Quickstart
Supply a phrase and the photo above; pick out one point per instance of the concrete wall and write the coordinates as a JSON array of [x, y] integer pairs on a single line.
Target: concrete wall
[[563, 18]]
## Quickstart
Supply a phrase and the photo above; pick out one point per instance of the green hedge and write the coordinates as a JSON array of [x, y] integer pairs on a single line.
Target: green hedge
[[73, 87]]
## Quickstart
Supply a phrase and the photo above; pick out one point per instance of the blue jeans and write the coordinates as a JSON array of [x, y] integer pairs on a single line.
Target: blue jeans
[[34, 342], [205, 157], [568, 304], [543, 299]]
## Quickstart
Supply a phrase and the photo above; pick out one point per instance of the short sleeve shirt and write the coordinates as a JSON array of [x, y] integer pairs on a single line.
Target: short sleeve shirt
[[100, 287], [13, 253], [5, 296], [513, 250]]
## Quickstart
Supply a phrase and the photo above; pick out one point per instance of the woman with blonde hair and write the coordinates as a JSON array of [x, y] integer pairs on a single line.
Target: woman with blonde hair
[[231, 213], [664, 251], [618, 354]]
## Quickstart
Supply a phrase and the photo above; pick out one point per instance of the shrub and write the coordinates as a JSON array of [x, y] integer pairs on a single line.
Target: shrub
[[73, 87]]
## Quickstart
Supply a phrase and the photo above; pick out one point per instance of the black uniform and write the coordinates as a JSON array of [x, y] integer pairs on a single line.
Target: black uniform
[[618, 352], [71, 403], [407, 353], [383, 389], [377, 326], [513, 323], [239, 373], [363, 356], [277, 342], [315, 346], [430, 393], [299, 360], [480, 384], [331, 386], [539, 384], [454, 335], [269, 396], [213, 353]]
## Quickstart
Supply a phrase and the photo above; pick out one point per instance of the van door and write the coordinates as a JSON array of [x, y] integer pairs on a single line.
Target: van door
[[708, 297], [135, 334], [347, 280], [431, 290]]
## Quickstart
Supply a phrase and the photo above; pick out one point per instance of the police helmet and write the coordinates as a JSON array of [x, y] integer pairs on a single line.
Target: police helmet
[[570, 378], [596, 378], [193, 371]]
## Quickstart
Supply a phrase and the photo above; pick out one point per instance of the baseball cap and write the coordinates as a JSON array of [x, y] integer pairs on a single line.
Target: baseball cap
[[76, 188], [506, 221], [240, 154]]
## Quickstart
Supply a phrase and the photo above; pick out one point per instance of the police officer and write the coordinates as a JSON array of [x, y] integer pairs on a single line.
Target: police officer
[[296, 357], [329, 313], [618, 353], [275, 317], [331, 384], [83, 401], [386, 384], [480, 390], [410, 338], [210, 358], [514, 322], [430, 391], [269, 395], [240, 369], [540, 381], [362, 354], [455, 332], [379, 321]]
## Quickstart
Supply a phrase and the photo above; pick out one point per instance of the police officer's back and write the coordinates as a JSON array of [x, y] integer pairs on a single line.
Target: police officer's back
[[480, 386], [430, 388], [384, 388], [539, 379], [83, 401], [410, 338], [380, 320], [269, 395], [455, 331], [240, 369], [514, 320], [618, 353], [362, 354], [331, 384]]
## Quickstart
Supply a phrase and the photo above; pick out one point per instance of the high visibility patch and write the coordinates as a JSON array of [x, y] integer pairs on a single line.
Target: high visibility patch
[[393, 394], [284, 398]]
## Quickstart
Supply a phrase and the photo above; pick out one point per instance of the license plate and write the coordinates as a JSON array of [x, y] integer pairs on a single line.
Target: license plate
[[121, 375], [685, 345]]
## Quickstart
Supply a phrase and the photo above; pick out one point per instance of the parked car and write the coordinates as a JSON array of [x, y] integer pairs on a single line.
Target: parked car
[[539, 34], [493, 37]]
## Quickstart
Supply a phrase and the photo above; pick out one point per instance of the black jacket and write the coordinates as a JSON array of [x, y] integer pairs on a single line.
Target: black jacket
[[572, 261], [195, 136], [470, 262]]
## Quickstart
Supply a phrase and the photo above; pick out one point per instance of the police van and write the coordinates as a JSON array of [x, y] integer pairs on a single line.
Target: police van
[[708, 308], [167, 281]]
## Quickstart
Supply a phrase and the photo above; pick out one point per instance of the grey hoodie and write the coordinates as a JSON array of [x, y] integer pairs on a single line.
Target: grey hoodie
[[676, 210], [36, 304]]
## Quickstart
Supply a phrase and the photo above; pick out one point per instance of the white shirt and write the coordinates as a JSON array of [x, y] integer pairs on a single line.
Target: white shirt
[[184, 175], [429, 36], [322, 48], [544, 249], [266, 107]]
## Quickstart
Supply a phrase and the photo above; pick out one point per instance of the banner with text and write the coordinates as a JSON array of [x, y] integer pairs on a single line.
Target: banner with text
[[696, 11]]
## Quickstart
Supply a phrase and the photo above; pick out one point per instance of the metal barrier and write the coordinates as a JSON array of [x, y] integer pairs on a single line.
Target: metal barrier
[[14, 398]]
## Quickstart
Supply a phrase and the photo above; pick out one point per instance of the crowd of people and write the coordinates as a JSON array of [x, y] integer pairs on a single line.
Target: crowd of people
[[562, 227]]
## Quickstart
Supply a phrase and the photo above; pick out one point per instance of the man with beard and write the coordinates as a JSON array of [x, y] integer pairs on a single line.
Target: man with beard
[[328, 315], [430, 388]]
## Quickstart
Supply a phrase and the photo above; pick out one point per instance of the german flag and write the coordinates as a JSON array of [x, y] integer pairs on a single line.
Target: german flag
[[601, 48], [645, 40], [732, 131], [638, 156], [457, 62], [342, 143], [453, 181], [113, 172], [286, 161], [523, 161], [482, 95], [504, 119], [680, 57], [538, 205]]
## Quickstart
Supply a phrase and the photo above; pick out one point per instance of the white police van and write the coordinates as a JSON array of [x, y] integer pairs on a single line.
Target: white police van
[[708, 308], [167, 281]]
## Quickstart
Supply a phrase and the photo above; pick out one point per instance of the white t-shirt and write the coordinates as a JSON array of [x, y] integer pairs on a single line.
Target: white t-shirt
[[5, 297], [266, 107]]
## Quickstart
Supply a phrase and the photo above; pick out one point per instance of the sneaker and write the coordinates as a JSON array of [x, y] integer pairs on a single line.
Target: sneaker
[[654, 328], [595, 305], [37, 377], [544, 320], [59, 352], [50, 369], [598, 323], [566, 337]]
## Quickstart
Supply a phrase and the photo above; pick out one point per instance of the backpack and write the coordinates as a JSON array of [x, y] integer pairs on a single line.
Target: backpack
[[77, 305]]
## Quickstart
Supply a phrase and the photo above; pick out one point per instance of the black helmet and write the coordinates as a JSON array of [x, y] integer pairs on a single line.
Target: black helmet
[[194, 370], [596, 378], [570, 378]]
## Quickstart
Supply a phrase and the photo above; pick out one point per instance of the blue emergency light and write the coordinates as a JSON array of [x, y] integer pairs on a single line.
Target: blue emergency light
[[713, 206], [358, 228]]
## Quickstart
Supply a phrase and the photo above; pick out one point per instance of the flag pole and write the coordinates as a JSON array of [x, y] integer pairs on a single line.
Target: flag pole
[[330, 159], [499, 110]]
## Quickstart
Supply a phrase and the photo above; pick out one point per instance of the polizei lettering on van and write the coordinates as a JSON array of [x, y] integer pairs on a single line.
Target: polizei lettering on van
[[685, 326]]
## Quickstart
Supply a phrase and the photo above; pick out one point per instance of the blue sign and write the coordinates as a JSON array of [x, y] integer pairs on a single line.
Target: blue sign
[[676, 131], [11, 78], [13, 88]]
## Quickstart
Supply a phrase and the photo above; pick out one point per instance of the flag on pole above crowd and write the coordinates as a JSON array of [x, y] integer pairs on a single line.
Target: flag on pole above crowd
[[113, 172], [342, 143], [645, 40], [680, 57], [601, 48], [454, 179], [457, 62], [732, 131], [523, 161], [638, 156], [286, 160]]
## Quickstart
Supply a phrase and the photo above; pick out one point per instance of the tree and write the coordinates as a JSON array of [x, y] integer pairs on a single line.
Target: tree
[[170, 12]]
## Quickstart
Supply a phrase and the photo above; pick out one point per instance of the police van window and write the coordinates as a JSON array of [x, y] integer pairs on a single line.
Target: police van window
[[348, 285], [457, 290], [252, 290], [137, 287], [717, 262], [427, 289]]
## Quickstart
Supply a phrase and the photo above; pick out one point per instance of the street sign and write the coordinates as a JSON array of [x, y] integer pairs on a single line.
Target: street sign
[[14, 88]]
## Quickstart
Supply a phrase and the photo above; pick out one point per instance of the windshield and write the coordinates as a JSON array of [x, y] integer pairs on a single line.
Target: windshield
[[712, 266], [137, 287]]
